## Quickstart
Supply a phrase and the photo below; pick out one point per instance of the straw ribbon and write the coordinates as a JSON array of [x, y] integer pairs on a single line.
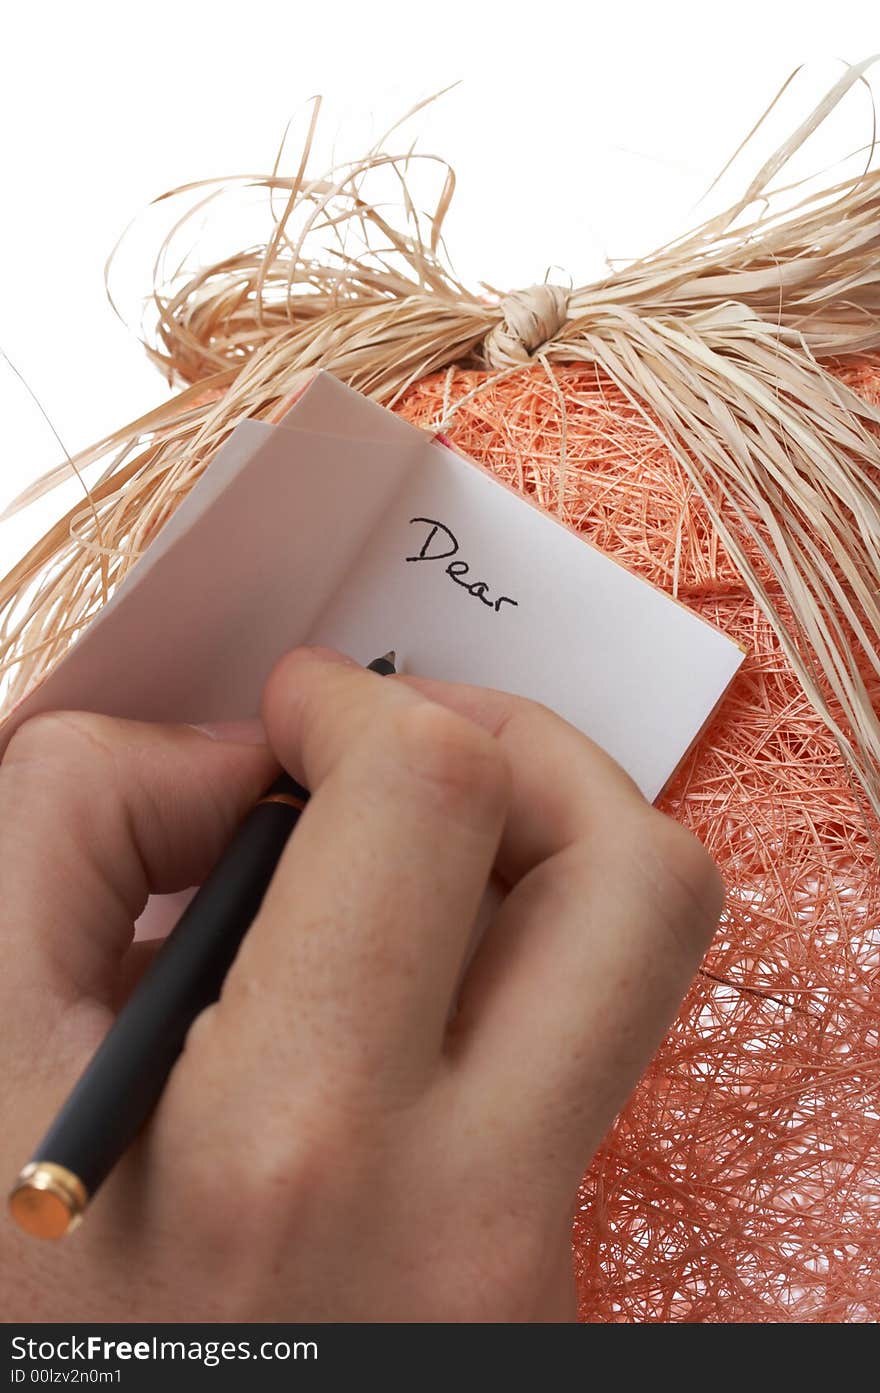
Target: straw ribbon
[[530, 319]]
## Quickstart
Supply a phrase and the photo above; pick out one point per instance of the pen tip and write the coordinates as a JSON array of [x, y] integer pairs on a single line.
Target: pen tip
[[386, 666]]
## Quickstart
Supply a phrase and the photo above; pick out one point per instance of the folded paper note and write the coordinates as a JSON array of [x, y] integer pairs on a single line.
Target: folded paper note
[[344, 525]]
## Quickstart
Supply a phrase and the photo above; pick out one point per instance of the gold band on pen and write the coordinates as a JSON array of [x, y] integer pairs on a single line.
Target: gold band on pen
[[47, 1200], [289, 798]]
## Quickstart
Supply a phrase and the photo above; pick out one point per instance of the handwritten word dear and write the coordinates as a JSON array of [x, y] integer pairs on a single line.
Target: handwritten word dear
[[440, 537]]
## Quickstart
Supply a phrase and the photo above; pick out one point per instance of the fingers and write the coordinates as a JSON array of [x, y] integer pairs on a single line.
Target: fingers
[[342, 989], [563, 786], [96, 813], [353, 958], [588, 958], [577, 982], [347, 971]]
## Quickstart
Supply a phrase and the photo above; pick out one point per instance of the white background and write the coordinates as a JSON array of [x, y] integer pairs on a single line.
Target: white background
[[577, 132]]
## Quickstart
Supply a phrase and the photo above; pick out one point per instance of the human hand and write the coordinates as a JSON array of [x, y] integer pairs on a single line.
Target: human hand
[[330, 1145]]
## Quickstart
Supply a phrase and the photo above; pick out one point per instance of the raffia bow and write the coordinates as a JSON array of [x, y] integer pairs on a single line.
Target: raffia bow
[[531, 320]]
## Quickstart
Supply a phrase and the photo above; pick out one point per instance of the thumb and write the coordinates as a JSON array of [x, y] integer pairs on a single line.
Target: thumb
[[96, 814]]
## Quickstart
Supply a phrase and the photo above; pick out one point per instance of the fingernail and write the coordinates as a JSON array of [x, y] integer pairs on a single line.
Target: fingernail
[[248, 732]]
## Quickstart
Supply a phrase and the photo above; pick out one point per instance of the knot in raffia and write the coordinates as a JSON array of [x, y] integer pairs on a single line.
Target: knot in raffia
[[530, 320]]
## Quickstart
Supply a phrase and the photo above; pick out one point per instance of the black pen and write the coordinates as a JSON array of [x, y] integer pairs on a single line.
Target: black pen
[[125, 1077]]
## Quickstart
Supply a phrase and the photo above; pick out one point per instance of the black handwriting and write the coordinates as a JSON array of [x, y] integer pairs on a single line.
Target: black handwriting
[[438, 537]]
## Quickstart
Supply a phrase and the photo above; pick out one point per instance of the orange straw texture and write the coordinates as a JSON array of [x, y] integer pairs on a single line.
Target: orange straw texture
[[742, 1182]]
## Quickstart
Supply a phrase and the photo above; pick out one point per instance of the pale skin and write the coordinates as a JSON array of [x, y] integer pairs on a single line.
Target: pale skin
[[335, 1143]]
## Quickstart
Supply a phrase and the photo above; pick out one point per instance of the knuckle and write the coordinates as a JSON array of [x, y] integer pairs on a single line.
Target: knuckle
[[309, 1141], [461, 762], [687, 884]]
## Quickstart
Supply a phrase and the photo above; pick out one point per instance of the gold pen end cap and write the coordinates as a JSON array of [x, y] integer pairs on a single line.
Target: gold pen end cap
[[47, 1200]]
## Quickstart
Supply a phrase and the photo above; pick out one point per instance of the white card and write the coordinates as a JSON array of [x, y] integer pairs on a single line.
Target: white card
[[345, 525]]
